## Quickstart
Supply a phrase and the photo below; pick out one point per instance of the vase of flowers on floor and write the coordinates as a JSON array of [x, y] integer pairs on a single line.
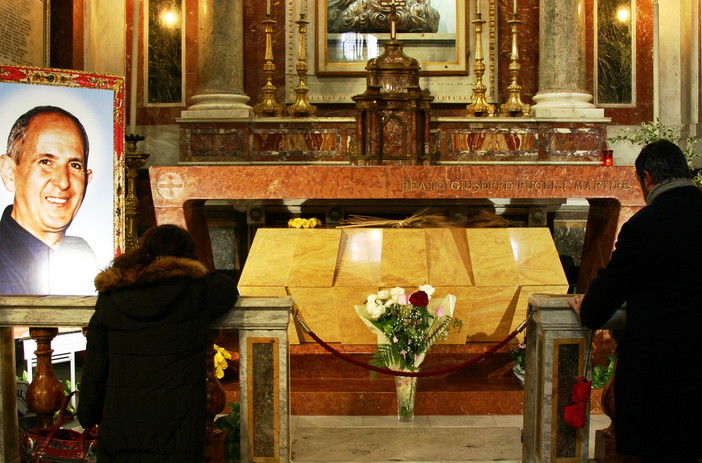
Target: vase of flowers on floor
[[406, 327]]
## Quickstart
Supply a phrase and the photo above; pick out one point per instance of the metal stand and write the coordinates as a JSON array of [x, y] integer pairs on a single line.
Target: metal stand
[[269, 106], [301, 107], [479, 106]]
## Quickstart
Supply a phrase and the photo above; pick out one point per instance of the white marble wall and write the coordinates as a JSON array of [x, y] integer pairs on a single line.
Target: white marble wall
[[105, 40]]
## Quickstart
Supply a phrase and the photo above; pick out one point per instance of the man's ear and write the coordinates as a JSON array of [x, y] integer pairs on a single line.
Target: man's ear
[[648, 180], [7, 172], [88, 176]]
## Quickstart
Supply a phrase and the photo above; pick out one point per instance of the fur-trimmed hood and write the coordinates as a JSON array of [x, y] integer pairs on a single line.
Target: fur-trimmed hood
[[162, 267], [146, 293]]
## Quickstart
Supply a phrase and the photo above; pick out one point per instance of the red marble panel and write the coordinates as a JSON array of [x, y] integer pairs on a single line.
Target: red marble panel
[[353, 182], [576, 141], [507, 140], [295, 141], [209, 142]]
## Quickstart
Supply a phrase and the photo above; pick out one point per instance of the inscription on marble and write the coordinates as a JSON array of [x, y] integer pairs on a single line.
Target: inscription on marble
[[22, 32], [513, 185]]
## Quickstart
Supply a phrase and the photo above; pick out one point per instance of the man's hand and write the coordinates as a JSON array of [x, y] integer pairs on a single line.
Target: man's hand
[[575, 302]]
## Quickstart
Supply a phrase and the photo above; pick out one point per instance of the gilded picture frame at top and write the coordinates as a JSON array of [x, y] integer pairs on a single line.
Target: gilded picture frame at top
[[349, 33]]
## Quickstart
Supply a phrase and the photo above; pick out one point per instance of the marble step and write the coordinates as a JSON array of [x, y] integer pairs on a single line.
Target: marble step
[[412, 443]]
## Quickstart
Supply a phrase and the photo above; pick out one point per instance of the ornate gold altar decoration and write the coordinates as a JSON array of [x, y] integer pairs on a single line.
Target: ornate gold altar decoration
[[479, 106], [415, 16], [301, 107], [392, 115], [269, 106], [514, 105], [133, 161]]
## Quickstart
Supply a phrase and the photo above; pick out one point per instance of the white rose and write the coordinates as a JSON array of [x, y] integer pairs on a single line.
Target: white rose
[[429, 289], [396, 291], [384, 294], [375, 309]]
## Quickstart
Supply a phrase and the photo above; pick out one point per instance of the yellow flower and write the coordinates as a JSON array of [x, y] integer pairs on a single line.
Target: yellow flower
[[220, 360], [299, 222]]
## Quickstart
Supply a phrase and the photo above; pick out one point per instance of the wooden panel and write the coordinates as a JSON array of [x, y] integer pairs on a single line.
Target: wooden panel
[[359, 257], [536, 256], [314, 260], [448, 258], [491, 257], [404, 258], [352, 330], [493, 313], [270, 257], [318, 311]]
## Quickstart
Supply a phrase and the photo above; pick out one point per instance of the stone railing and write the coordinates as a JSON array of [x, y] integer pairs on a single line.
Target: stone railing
[[263, 371], [556, 349]]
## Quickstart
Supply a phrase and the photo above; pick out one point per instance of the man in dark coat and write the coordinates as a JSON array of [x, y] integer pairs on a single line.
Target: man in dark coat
[[143, 379], [656, 269]]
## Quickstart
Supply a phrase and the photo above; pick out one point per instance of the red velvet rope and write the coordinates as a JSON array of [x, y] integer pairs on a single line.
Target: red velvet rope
[[418, 373]]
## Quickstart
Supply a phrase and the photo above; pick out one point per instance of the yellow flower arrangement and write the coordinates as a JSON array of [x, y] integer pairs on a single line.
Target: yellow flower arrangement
[[220, 360], [299, 222]]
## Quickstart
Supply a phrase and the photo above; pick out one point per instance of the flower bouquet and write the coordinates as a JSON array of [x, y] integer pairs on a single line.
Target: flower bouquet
[[406, 327]]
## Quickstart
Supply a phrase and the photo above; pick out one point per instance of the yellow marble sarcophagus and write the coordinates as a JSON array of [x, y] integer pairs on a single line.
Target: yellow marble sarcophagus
[[491, 271]]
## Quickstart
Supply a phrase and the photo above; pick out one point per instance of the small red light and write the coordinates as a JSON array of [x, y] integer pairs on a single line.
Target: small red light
[[607, 159]]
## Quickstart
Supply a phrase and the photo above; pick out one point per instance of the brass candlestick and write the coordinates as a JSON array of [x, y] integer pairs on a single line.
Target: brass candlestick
[[301, 107], [133, 161], [514, 105], [479, 106], [269, 106]]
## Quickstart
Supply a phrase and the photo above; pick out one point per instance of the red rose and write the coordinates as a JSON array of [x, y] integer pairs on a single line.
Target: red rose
[[419, 299]]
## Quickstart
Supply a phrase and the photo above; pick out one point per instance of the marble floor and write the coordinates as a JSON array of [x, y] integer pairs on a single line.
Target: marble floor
[[430, 439]]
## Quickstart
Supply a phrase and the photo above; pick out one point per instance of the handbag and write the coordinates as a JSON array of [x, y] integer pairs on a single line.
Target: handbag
[[59, 444]]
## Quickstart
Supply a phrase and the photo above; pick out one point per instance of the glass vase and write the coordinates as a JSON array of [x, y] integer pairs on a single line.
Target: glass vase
[[405, 388]]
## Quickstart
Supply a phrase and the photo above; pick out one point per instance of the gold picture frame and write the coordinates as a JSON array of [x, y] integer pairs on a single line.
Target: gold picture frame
[[97, 101], [346, 52]]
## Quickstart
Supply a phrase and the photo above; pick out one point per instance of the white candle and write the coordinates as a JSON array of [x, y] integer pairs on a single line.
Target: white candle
[[136, 6], [268, 7], [477, 6], [515, 6], [305, 7]]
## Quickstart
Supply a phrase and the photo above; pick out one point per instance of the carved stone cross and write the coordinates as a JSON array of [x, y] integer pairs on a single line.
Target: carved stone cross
[[393, 4]]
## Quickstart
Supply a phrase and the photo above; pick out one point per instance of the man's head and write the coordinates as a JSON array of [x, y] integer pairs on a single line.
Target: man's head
[[660, 161], [46, 167]]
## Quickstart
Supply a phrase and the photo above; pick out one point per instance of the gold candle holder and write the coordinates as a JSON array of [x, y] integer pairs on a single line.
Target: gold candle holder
[[269, 106], [302, 107], [133, 161], [514, 105], [479, 106]]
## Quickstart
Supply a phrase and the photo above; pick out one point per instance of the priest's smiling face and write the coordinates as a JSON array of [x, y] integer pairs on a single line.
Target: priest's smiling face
[[50, 177]]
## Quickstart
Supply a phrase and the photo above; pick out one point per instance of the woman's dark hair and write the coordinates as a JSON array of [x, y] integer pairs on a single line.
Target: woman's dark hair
[[663, 160], [160, 241]]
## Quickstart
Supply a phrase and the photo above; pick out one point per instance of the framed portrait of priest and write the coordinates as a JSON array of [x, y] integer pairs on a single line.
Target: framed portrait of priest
[[62, 173]]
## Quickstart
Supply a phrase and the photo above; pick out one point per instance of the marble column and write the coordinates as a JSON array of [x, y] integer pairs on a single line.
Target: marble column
[[562, 86], [220, 76]]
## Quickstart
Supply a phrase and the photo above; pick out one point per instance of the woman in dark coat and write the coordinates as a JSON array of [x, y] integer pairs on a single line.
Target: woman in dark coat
[[656, 269], [143, 379]]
